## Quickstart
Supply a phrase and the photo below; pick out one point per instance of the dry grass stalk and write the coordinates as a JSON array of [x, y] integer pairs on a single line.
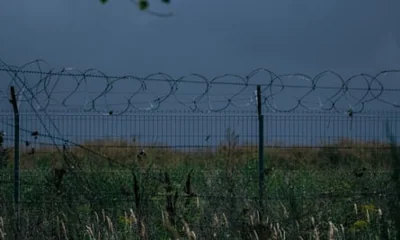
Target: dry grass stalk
[[2, 233], [256, 235], [251, 220], [89, 231], [257, 213], [282, 234], [285, 212], [226, 223], [142, 233], [332, 230], [110, 225], [278, 233], [58, 226], [64, 230], [316, 233], [163, 220], [342, 230], [193, 234], [275, 233], [97, 217], [297, 226], [165, 215], [133, 216], [355, 208], [380, 213], [215, 220], [190, 234]]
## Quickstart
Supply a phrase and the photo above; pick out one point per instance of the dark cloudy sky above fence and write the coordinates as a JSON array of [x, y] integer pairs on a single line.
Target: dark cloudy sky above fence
[[208, 37]]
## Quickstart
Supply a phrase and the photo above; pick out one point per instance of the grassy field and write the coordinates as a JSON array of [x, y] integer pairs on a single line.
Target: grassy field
[[102, 191]]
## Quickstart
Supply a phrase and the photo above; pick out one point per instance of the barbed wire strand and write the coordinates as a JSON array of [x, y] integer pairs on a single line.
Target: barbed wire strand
[[44, 83], [68, 157]]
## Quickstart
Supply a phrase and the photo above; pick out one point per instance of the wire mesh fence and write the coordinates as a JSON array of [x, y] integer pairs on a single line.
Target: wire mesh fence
[[188, 130], [198, 167]]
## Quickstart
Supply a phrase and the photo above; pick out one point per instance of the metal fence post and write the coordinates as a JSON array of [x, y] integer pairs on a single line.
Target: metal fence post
[[16, 162], [260, 147]]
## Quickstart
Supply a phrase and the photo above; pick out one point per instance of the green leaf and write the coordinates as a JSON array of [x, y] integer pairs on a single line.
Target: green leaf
[[103, 1], [143, 4], [166, 1]]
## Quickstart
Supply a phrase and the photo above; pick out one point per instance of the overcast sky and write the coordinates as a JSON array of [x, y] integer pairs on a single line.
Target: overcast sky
[[207, 37]]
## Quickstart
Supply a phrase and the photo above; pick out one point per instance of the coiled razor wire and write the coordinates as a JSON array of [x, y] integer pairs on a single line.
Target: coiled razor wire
[[45, 88]]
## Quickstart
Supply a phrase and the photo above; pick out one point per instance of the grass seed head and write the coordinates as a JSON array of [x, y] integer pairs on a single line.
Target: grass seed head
[[110, 224], [96, 217], [313, 221], [274, 232], [285, 212], [133, 216], [225, 219], [355, 208], [216, 221], [380, 212], [89, 231], [190, 234], [251, 220], [331, 233]]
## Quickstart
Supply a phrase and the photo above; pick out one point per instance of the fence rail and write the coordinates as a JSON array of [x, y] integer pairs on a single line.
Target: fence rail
[[186, 131]]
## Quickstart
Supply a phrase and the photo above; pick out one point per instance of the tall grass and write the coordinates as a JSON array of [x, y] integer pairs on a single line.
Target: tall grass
[[344, 191]]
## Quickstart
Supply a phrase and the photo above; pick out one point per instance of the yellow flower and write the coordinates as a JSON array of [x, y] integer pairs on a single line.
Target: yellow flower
[[125, 220], [359, 225], [369, 207]]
